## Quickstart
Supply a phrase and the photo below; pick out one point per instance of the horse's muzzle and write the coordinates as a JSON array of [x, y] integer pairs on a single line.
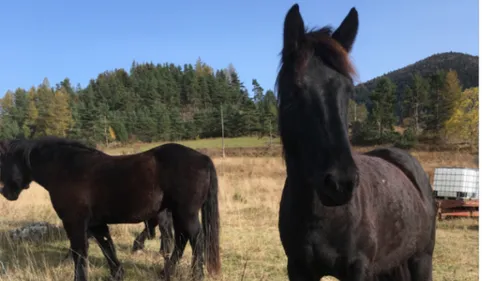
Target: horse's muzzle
[[9, 195]]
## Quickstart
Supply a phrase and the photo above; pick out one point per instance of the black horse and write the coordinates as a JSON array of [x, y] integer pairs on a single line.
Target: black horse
[[356, 217], [90, 189], [164, 221]]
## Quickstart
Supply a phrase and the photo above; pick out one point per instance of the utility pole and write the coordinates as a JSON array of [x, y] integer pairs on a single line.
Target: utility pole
[[270, 140], [222, 130], [355, 110], [105, 131]]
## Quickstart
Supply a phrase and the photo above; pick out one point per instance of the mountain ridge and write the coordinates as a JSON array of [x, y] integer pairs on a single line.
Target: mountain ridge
[[466, 65]]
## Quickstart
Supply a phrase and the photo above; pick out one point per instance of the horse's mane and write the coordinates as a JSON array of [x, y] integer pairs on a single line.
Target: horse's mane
[[65, 146], [319, 42]]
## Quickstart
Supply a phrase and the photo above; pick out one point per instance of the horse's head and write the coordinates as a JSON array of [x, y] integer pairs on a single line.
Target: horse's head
[[14, 172], [314, 86]]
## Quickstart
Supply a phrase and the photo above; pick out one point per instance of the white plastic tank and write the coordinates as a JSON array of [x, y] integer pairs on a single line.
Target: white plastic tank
[[456, 183]]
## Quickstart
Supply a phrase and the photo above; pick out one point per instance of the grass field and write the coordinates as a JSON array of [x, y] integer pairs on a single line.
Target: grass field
[[250, 190], [244, 142]]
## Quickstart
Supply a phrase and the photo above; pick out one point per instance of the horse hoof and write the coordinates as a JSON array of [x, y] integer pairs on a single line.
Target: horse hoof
[[118, 275], [162, 275]]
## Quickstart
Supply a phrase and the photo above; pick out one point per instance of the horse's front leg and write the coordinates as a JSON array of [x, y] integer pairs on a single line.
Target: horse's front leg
[[76, 231], [102, 235], [299, 272], [420, 267], [356, 271]]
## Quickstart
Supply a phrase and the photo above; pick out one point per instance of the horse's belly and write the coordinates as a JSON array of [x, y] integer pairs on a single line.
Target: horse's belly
[[133, 208]]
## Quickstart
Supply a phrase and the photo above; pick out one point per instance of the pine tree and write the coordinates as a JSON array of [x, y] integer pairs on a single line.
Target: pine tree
[[8, 126], [415, 101], [31, 115], [257, 92], [356, 112], [270, 113], [20, 108], [435, 112], [382, 112]]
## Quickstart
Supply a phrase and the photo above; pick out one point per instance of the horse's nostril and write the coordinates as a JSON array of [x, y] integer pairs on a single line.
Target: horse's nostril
[[330, 182]]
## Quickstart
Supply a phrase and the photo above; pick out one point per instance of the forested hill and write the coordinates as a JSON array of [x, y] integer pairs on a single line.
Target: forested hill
[[466, 66], [149, 102]]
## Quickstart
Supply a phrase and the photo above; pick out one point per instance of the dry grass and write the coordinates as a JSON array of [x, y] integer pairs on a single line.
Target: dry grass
[[250, 190]]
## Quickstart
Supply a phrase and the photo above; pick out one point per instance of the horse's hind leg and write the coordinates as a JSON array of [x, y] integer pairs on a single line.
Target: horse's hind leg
[[148, 232], [196, 240], [179, 245], [167, 237], [102, 235], [420, 267], [186, 227]]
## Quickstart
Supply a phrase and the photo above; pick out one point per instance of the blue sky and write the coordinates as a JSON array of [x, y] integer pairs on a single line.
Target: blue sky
[[80, 39]]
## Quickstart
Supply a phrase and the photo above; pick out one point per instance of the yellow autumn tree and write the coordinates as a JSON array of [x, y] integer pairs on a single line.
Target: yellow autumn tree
[[62, 113], [463, 125], [6, 104], [31, 114], [112, 133]]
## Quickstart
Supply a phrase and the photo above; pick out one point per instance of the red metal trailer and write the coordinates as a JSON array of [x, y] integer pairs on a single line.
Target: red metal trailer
[[457, 208]]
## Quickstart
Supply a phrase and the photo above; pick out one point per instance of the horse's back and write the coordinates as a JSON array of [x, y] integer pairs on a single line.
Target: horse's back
[[410, 166], [185, 174], [178, 153]]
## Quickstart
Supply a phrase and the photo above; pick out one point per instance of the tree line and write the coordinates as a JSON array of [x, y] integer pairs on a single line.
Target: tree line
[[433, 108], [165, 102], [162, 102]]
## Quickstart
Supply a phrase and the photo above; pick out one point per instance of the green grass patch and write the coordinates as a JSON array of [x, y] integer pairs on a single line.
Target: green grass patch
[[202, 143]]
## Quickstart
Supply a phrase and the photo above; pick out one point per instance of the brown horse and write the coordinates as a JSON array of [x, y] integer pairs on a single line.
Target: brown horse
[[164, 221], [90, 189], [357, 217]]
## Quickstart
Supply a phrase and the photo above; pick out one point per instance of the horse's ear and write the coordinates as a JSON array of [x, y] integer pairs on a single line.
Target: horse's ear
[[294, 30], [347, 31]]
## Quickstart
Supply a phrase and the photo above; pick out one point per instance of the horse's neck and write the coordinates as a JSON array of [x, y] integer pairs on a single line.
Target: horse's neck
[[41, 171], [40, 177]]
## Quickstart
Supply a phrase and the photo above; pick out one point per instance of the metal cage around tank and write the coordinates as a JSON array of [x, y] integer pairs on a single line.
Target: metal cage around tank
[[456, 190]]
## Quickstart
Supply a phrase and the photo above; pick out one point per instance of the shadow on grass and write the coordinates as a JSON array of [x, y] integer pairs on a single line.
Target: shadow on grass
[[53, 252], [43, 256]]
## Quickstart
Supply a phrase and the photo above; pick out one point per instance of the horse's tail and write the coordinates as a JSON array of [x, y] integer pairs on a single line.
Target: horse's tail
[[210, 223]]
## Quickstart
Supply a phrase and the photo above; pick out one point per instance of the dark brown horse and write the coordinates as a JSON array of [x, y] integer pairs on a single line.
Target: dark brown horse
[[90, 189], [357, 217], [164, 221]]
